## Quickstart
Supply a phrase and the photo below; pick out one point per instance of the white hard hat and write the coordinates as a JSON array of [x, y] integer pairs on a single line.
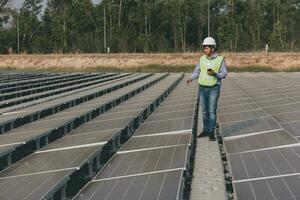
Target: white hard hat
[[209, 41]]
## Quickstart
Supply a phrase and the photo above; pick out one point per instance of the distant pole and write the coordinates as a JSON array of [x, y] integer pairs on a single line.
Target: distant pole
[[104, 21], [292, 31], [18, 32], [208, 18]]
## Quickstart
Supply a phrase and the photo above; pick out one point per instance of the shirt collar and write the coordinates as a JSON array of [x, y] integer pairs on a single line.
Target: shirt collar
[[213, 56]]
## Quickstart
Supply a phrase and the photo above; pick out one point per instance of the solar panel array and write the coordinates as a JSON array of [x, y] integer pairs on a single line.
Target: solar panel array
[[55, 143], [132, 135], [259, 120], [154, 163]]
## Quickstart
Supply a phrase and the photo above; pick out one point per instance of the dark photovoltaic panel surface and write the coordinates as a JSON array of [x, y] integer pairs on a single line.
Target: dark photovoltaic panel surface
[[293, 128], [159, 150], [4, 149], [290, 116], [43, 127], [249, 126], [104, 125], [162, 186], [180, 101], [260, 125], [145, 161], [241, 116], [237, 108], [259, 141], [259, 122], [34, 186], [234, 102], [49, 161], [157, 141], [82, 139], [265, 163], [271, 189], [59, 161], [165, 126], [172, 114], [283, 108], [167, 108]]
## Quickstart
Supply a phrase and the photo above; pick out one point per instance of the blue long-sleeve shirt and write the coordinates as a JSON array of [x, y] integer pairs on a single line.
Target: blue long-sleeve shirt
[[220, 75]]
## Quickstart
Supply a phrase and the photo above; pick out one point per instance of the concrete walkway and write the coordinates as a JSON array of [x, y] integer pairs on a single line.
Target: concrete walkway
[[208, 182]]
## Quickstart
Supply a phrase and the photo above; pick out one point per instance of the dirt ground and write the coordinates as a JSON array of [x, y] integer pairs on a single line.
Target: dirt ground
[[121, 61]]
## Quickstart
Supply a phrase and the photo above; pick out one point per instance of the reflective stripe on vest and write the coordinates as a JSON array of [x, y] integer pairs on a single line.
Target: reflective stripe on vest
[[214, 64]]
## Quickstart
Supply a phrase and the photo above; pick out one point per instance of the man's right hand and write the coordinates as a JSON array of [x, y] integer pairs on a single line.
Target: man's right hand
[[189, 81]]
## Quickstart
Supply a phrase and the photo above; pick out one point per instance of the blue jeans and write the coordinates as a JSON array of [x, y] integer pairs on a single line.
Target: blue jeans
[[209, 97]]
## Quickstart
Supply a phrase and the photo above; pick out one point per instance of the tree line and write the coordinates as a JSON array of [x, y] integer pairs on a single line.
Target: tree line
[[79, 26]]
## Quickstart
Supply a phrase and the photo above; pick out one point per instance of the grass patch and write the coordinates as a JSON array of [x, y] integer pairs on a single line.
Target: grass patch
[[8, 69], [292, 69], [31, 69], [189, 68], [166, 68], [261, 69], [254, 68], [152, 68]]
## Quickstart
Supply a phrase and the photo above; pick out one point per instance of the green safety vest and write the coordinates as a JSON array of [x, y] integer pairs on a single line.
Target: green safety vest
[[214, 64]]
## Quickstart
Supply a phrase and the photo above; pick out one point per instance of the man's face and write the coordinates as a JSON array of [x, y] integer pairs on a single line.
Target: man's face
[[208, 50]]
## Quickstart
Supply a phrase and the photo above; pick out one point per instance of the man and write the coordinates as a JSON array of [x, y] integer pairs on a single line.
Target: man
[[209, 72]]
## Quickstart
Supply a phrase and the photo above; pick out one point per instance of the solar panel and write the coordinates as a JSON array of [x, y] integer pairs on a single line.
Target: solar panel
[[49, 161], [131, 163], [81, 148], [277, 188], [259, 141], [30, 187], [165, 126], [237, 108], [293, 128], [259, 122], [167, 108], [18, 138], [232, 102], [283, 108], [68, 101], [163, 185], [175, 101], [261, 97], [161, 145], [255, 125], [288, 117], [80, 140], [276, 102], [153, 141], [172, 114], [241, 116], [265, 163], [263, 151], [55, 126]]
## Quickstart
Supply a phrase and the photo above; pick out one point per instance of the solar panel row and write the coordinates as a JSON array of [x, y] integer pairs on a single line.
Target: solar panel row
[[12, 98], [53, 126], [155, 162], [260, 120], [81, 153], [17, 79], [46, 81], [14, 119], [45, 97], [84, 135]]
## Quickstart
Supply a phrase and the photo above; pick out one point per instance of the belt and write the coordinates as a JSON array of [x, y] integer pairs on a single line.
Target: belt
[[205, 86]]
